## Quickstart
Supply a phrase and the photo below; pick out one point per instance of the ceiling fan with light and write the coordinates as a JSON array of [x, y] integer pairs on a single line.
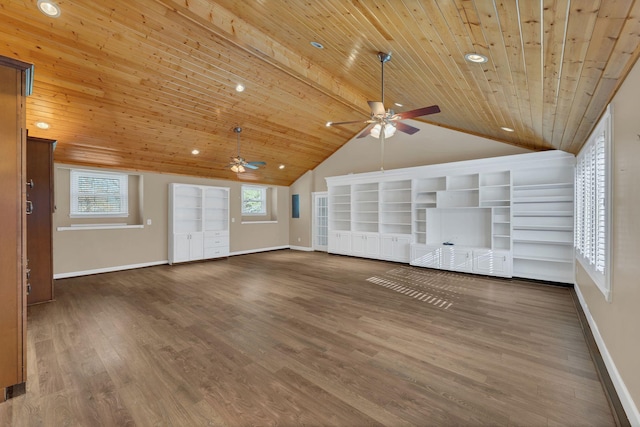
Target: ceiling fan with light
[[384, 123], [239, 164]]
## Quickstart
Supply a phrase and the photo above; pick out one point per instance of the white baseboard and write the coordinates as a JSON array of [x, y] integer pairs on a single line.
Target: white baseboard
[[253, 251], [628, 404], [107, 269], [301, 248]]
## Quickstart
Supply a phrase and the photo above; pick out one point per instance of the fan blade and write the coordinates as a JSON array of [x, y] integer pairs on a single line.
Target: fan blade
[[250, 166], [417, 113], [346, 123], [366, 131], [377, 108], [258, 163], [403, 127]]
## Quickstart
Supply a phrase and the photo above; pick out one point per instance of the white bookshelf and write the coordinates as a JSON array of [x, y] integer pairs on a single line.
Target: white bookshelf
[[502, 216], [198, 222]]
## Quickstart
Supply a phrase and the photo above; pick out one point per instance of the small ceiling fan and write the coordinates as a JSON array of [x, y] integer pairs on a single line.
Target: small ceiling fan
[[384, 123], [239, 164]]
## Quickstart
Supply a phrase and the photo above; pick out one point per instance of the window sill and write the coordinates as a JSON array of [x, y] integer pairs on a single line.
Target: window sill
[[99, 227], [259, 222]]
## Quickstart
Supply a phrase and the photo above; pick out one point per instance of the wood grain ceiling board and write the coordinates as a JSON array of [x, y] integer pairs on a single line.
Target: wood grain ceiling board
[[138, 85]]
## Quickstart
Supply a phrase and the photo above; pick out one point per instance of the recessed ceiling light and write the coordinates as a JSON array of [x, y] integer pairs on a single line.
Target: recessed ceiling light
[[397, 104], [42, 125], [506, 129], [476, 57], [281, 167], [194, 152], [317, 45], [240, 87], [49, 8]]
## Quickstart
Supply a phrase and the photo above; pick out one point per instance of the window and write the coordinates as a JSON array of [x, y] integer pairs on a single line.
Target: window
[[254, 200], [592, 213], [98, 194]]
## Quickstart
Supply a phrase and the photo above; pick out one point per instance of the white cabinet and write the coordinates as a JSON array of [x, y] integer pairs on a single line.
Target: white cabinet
[[425, 256], [492, 263], [198, 222], [396, 247], [366, 245], [339, 242], [456, 259], [187, 247]]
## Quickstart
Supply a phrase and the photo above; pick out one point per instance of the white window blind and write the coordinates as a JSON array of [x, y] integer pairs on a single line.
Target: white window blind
[[592, 205], [254, 200], [98, 194]]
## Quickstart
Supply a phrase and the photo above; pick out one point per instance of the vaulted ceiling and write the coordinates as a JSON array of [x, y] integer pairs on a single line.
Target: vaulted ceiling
[[139, 84]]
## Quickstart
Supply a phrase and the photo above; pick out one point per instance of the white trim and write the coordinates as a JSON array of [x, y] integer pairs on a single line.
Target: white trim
[[253, 251], [301, 248], [259, 222], [628, 404], [98, 227], [108, 269]]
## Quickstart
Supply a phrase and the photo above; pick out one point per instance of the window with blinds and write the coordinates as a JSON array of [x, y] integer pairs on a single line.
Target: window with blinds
[[592, 213], [98, 194]]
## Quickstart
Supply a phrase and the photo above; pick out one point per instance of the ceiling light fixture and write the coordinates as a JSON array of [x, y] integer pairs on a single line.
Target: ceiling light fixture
[[317, 45], [49, 8], [281, 167], [194, 152], [397, 104], [239, 87], [506, 129], [42, 125], [476, 58], [389, 130]]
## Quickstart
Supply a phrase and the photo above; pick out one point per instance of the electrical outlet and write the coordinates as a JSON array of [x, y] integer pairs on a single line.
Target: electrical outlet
[[148, 221], [299, 239]]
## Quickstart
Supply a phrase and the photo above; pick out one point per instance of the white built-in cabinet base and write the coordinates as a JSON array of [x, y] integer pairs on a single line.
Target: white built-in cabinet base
[[463, 259]]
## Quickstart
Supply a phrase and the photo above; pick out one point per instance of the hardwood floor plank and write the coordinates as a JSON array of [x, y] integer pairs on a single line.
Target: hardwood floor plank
[[298, 338]]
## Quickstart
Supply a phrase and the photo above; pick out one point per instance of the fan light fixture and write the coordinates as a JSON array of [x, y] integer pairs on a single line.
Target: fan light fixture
[[49, 8], [476, 58], [237, 168], [389, 130]]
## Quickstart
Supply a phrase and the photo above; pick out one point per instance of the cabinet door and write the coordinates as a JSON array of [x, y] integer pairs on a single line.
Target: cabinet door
[[372, 246], [402, 249], [358, 243], [181, 244], [492, 263], [332, 242], [386, 247], [344, 243], [196, 246], [425, 256], [456, 259]]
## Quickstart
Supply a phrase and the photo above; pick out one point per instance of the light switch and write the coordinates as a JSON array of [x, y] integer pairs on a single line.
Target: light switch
[[148, 221]]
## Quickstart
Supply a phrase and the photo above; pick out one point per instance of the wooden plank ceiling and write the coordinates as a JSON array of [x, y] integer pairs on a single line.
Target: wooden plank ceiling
[[139, 84]]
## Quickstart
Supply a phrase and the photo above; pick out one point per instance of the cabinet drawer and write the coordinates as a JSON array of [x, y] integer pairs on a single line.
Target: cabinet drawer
[[220, 233], [216, 252], [216, 242]]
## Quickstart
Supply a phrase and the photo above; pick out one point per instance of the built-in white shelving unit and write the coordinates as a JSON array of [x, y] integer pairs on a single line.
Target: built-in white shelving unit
[[198, 222], [542, 224], [501, 216]]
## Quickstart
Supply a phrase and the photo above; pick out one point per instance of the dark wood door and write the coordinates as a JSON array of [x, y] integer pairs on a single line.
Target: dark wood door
[[39, 221]]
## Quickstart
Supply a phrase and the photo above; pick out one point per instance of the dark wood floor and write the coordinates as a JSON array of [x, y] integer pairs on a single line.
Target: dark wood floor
[[297, 338]]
